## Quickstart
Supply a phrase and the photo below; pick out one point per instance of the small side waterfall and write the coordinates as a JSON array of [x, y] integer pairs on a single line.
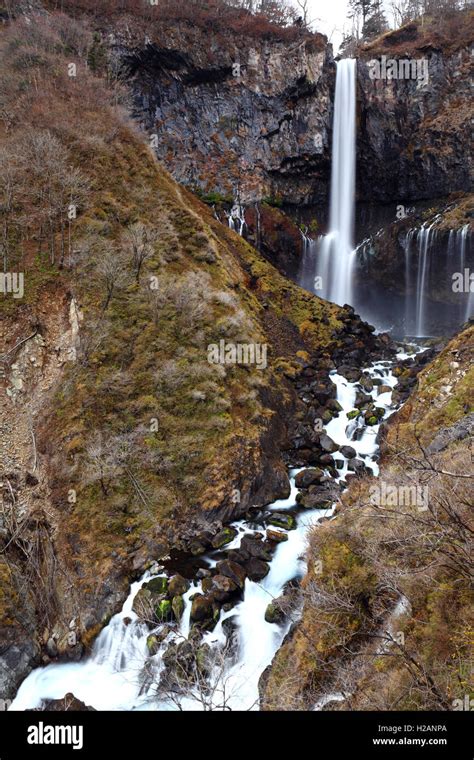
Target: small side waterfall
[[333, 256], [431, 263], [423, 277], [463, 238], [236, 219]]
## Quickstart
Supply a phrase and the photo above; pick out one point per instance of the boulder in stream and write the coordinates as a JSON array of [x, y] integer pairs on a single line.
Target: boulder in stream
[[274, 613], [348, 451], [282, 520], [178, 586], [223, 537], [257, 569], [232, 570], [327, 444], [177, 605], [201, 608], [255, 547], [223, 588], [276, 535], [308, 477]]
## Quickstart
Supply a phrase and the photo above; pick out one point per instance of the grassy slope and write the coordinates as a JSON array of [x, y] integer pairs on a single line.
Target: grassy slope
[[151, 359]]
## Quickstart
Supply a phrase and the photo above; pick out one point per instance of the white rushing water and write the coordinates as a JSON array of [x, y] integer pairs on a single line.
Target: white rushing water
[[422, 276], [333, 255], [120, 674], [463, 236], [236, 219]]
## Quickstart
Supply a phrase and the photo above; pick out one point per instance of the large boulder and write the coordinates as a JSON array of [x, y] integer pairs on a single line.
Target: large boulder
[[327, 444], [282, 520], [201, 608], [366, 383], [319, 498], [157, 585], [274, 613], [178, 586], [225, 536], [223, 588], [255, 547], [257, 569], [232, 570], [348, 451], [308, 477]]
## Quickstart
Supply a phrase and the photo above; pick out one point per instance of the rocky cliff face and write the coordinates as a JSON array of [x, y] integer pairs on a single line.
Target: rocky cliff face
[[247, 117], [413, 132], [240, 116]]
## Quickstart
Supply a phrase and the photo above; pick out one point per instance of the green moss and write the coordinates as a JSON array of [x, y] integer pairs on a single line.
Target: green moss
[[164, 611], [286, 521], [158, 585], [274, 201]]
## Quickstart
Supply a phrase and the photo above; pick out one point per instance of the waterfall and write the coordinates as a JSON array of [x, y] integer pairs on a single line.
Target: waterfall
[[462, 236], [423, 276], [335, 255], [408, 266], [236, 218], [426, 273]]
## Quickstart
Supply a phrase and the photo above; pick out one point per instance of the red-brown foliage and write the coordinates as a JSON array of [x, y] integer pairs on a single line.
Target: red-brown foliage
[[213, 14]]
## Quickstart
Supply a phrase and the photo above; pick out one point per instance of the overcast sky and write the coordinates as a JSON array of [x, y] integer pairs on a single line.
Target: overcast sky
[[333, 19]]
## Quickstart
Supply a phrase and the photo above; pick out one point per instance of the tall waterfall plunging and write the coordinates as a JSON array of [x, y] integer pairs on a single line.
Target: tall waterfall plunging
[[333, 255]]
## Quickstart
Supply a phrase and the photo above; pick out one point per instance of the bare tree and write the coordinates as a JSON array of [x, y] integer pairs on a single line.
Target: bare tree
[[139, 241], [110, 266]]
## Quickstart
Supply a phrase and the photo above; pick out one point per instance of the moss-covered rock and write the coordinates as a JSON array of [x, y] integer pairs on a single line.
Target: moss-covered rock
[[353, 414], [157, 585], [178, 586], [152, 644], [177, 606], [282, 520], [225, 536], [274, 614]]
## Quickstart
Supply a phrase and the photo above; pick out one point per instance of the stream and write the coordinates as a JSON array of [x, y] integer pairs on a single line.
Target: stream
[[120, 673]]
